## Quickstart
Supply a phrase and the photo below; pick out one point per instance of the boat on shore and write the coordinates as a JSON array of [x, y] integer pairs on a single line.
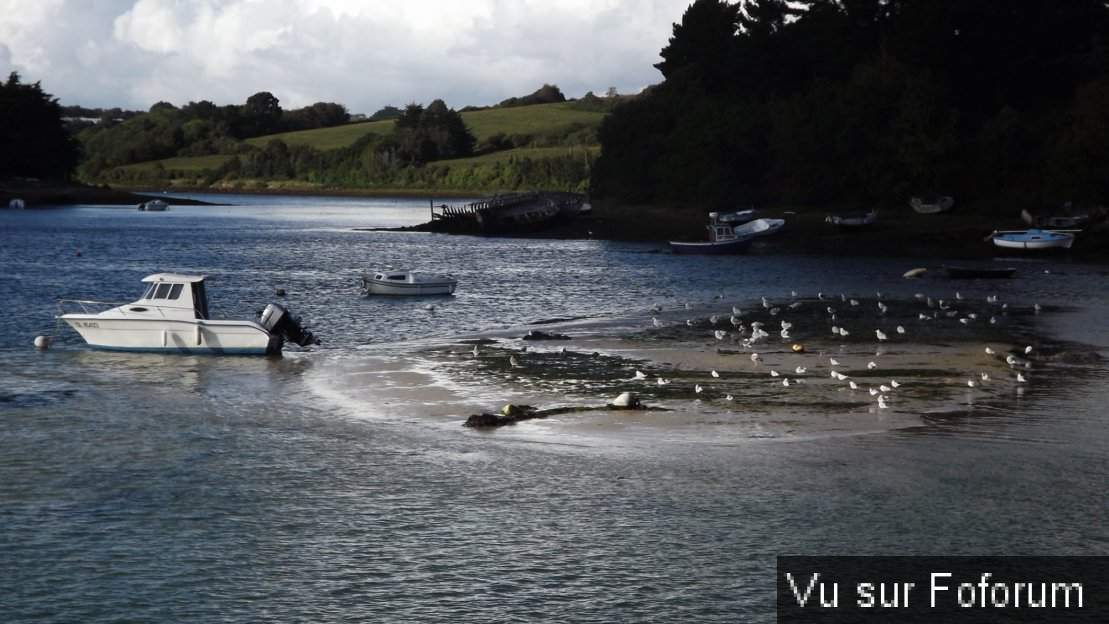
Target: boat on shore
[[760, 227], [723, 240], [932, 204], [511, 212], [736, 217], [401, 282], [853, 220], [1033, 239], [172, 317], [969, 272], [154, 205], [1068, 216]]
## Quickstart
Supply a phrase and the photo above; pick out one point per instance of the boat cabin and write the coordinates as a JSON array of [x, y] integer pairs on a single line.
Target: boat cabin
[[185, 293]]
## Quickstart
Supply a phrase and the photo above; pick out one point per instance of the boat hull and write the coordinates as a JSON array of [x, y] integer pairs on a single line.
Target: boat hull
[[721, 248], [960, 272], [1033, 240], [425, 288], [174, 336]]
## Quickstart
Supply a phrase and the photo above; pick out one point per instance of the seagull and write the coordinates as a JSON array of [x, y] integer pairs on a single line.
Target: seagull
[[838, 375], [882, 403], [640, 375], [514, 362], [843, 332], [871, 365], [476, 351], [714, 319], [774, 373], [698, 389], [881, 334], [785, 334], [663, 381], [786, 325], [985, 376], [872, 391], [689, 322], [1028, 350], [736, 311], [720, 333], [854, 386], [800, 370], [900, 329], [715, 374], [895, 383], [785, 382], [990, 351], [833, 361], [882, 308], [972, 383], [656, 322], [729, 397], [756, 358], [1021, 378], [884, 388]]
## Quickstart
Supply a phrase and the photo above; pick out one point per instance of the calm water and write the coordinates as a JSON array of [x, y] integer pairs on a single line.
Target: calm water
[[148, 488]]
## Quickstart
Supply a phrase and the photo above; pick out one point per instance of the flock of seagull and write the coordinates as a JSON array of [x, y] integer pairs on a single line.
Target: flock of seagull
[[754, 330]]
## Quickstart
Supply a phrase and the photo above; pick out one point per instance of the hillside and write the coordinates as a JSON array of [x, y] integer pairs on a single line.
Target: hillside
[[550, 145]]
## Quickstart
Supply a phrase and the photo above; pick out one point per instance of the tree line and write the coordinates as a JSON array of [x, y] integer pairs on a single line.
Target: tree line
[[823, 102]]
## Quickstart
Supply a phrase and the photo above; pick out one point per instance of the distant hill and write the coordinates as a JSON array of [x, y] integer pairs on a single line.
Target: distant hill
[[548, 145]]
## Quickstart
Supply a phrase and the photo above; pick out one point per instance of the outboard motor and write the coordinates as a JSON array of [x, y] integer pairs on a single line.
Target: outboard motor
[[277, 320]]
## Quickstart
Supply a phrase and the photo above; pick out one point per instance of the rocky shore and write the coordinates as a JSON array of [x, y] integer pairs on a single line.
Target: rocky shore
[[898, 231]]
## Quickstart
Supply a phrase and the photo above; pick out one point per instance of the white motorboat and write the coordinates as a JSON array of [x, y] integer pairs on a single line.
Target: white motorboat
[[172, 316], [401, 282], [759, 227], [154, 205]]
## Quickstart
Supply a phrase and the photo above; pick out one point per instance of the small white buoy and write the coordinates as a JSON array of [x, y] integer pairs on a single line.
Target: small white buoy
[[43, 342]]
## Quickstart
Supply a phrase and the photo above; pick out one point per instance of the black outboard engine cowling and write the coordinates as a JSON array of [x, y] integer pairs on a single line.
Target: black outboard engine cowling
[[277, 320]]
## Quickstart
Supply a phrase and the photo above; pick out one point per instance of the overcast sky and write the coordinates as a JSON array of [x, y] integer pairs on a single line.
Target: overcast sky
[[363, 54]]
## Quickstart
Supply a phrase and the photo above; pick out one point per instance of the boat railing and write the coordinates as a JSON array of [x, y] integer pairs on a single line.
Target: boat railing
[[67, 306], [70, 306]]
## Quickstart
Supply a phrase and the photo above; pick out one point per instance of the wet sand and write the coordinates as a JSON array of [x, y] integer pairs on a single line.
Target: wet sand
[[938, 367]]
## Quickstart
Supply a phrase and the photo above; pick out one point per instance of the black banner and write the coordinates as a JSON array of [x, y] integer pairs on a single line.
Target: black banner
[[997, 590]]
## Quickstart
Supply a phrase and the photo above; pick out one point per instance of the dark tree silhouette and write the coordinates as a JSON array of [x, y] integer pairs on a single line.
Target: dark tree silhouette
[[33, 139]]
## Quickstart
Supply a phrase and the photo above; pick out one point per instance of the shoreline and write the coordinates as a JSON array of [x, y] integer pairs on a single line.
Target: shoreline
[[939, 369], [898, 231]]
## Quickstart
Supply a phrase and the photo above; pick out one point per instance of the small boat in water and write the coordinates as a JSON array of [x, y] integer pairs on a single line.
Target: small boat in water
[[154, 205], [399, 282], [853, 220], [967, 272], [172, 317], [932, 204], [1033, 239], [760, 227], [1068, 216], [736, 217], [723, 240], [17, 203]]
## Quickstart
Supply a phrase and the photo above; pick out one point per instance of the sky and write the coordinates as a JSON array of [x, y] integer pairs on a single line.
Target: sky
[[363, 54]]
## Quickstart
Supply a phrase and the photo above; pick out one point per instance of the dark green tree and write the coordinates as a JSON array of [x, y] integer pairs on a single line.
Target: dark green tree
[[33, 139]]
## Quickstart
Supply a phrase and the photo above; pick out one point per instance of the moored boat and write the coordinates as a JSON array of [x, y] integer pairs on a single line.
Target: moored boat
[[932, 204], [969, 272], [1068, 216], [154, 205], [853, 220], [760, 227], [172, 316], [401, 282], [1033, 239], [723, 240], [736, 217]]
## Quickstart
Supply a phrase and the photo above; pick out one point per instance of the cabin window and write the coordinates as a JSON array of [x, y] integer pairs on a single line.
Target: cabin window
[[162, 292], [149, 294], [396, 278], [175, 292]]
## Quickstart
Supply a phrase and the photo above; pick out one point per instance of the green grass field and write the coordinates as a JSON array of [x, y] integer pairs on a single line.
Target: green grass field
[[533, 120]]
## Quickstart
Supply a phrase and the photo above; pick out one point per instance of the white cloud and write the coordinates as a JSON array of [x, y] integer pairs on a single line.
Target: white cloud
[[362, 54]]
